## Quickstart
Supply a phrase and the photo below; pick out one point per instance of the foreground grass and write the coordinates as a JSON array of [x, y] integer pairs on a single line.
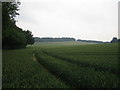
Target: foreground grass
[[61, 65], [85, 65], [21, 71], [102, 57], [81, 76]]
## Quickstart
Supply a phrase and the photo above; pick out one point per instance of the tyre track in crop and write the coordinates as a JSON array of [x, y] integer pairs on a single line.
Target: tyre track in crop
[[47, 70], [35, 59], [58, 76], [54, 73], [83, 64], [71, 74]]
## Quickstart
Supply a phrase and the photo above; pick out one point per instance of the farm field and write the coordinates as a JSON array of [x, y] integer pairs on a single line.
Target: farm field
[[61, 65]]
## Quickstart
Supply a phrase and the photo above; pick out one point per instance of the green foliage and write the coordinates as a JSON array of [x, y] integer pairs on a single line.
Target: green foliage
[[114, 40], [29, 36], [12, 36], [85, 65], [15, 39], [9, 11], [50, 39], [101, 57], [81, 76], [21, 71], [118, 40]]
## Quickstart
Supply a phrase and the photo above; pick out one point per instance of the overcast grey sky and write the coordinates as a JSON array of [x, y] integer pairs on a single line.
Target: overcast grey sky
[[81, 19]]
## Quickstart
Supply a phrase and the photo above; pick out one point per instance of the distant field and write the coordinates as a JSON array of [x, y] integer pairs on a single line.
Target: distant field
[[68, 43], [61, 65]]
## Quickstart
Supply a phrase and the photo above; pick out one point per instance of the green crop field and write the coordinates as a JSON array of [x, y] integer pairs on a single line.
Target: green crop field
[[61, 65]]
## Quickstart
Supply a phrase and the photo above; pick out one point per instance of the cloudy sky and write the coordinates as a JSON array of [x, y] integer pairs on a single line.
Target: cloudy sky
[[81, 19]]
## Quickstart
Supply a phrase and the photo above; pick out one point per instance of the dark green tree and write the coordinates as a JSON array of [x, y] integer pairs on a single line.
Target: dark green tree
[[9, 12], [29, 36], [114, 40], [118, 40], [13, 36]]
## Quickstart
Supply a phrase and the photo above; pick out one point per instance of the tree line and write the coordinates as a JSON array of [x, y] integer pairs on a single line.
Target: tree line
[[51, 39], [91, 41], [62, 39], [12, 36]]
